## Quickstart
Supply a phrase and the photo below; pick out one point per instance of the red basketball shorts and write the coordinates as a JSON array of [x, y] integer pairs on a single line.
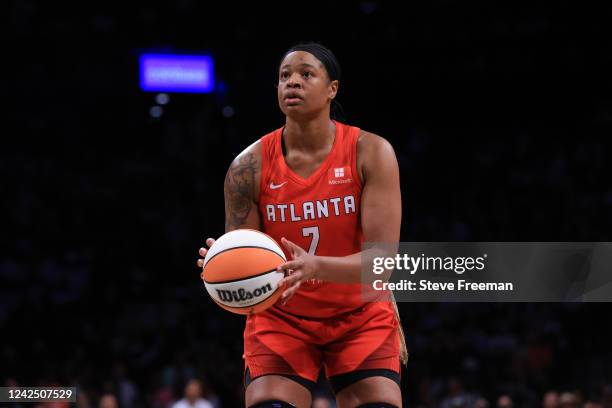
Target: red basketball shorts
[[276, 342]]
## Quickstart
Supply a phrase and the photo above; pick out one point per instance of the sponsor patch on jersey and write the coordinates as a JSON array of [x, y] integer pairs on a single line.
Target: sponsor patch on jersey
[[340, 175]]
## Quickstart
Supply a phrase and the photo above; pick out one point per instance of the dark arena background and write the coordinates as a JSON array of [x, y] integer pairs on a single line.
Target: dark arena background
[[500, 115]]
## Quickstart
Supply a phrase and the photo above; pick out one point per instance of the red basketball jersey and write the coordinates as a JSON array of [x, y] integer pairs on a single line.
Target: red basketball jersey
[[320, 213]]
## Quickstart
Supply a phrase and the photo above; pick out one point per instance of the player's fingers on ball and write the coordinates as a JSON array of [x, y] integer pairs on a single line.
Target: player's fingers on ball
[[285, 282], [295, 277], [210, 242], [200, 263], [287, 266], [203, 251]]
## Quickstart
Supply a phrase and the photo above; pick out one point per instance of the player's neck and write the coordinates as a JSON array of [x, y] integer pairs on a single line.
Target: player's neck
[[311, 135]]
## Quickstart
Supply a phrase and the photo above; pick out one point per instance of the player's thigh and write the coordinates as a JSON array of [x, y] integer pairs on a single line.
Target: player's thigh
[[277, 387], [368, 390]]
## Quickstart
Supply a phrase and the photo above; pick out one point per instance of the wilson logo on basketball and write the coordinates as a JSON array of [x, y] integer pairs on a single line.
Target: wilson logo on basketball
[[340, 175], [241, 295]]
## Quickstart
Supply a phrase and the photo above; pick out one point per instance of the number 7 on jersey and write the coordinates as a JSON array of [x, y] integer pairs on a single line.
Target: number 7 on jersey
[[314, 231]]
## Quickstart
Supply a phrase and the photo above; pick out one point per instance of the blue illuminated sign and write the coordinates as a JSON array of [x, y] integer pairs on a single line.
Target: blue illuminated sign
[[176, 73]]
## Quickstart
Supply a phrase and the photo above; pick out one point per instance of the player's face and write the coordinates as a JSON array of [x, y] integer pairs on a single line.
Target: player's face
[[304, 88]]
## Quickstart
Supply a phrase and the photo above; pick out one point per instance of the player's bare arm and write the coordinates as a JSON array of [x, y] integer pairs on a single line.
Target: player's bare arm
[[381, 218], [241, 187]]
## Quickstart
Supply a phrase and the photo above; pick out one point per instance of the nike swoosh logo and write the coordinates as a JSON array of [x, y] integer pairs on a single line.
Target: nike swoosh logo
[[275, 186]]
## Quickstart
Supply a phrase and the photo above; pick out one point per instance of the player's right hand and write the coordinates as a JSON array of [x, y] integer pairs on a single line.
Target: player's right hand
[[203, 251]]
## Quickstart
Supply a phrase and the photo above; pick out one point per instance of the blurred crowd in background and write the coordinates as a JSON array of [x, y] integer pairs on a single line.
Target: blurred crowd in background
[[500, 117]]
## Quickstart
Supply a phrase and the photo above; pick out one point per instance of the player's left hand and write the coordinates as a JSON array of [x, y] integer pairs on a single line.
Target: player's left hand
[[301, 267]]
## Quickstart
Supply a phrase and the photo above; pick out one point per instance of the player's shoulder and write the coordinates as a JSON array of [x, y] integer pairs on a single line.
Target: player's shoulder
[[253, 149], [250, 156], [253, 152], [246, 168], [373, 152], [372, 144]]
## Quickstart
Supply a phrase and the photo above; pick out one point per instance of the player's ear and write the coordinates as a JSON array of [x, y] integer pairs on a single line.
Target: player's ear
[[333, 89]]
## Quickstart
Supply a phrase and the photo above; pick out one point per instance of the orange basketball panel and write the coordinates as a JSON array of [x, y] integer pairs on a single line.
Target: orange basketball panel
[[240, 263]]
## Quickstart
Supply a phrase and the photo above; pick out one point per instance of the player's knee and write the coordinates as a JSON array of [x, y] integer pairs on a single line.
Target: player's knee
[[368, 389], [278, 389], [272, 404]]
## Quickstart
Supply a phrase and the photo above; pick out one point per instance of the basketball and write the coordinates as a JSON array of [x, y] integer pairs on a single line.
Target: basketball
[[240, 271]]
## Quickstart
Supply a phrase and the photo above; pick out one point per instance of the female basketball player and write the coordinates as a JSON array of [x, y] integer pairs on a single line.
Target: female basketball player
[[321, 188]]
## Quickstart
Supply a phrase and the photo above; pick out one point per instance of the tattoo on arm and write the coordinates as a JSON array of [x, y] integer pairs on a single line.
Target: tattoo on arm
[[239, 190]]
